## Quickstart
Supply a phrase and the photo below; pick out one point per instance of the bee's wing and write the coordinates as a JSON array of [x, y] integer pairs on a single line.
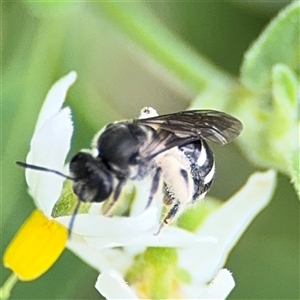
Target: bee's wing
[[211, 125], [163, 141], [184, 127]]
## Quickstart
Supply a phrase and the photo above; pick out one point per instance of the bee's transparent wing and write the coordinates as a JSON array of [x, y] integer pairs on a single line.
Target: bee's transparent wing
[[211, 125], [180, 128]]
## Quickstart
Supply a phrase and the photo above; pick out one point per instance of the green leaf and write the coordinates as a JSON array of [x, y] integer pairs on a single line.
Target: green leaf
[[284, 122], [271, 128], [65, 206], [269, 109], [67, 202], [285, 92], [279, 43]]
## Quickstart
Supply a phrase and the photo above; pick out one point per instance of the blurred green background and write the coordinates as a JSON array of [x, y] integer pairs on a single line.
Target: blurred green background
[[42, 41]]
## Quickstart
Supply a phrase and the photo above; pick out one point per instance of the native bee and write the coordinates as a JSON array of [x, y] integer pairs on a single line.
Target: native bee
[[170, 148]]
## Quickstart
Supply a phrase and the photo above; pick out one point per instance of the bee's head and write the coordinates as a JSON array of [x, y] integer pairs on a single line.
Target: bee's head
[[92, 180]]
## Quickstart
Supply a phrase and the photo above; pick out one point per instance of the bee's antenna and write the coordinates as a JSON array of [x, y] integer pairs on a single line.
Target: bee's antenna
[[39, 168]]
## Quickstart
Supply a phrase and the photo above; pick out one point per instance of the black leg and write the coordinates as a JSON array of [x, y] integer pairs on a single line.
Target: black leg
[[169, 217], [154, 186], [115, 198]]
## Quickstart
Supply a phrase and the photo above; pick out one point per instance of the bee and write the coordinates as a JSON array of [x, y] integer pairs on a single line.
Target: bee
[[172, 149]]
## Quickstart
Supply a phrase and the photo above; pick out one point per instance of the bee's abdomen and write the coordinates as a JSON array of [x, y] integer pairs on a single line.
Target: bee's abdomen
[[202, 166]]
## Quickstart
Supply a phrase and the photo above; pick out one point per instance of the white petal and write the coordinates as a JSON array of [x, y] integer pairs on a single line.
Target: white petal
[[48, 148], [111, 285], [169, 237], [91, 256], [103, 232], [220, 287], [55, 99], [109, 228], [227, 224], [100, 260]]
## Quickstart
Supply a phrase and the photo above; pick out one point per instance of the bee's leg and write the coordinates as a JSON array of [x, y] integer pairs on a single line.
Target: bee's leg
[[115, 197], [178, 185], [154, 186], [169, 217]]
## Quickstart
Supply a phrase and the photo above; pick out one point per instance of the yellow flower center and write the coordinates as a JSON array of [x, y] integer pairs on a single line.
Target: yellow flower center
[[36, 246]]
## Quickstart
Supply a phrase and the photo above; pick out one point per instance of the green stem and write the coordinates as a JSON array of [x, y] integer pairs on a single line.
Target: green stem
[[138, 22], [8, 286]]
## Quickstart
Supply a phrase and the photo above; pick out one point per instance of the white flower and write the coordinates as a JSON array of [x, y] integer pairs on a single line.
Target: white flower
[[95, 237], [227, 224], [48, 148], [49, 145], [204, 261], [113, 286]]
